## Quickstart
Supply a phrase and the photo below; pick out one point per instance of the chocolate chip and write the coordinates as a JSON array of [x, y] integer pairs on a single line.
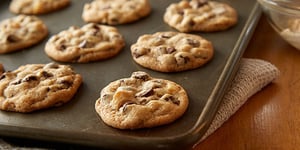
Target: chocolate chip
[[140, 52], [46, 74], [181, 12], [193, 43], [30, 78], [181, 59], [170, 50], [124, 106], [165, 36], [140, 75], [16, 82], [12, 39], [62, 47], [65, 84], [3, 76], [86, 44], [168, 97], [145, 93]]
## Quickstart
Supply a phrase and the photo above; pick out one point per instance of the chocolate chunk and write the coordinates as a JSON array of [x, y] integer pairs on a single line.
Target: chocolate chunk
[[46, 74], [193, 43], [16, 82], [124, 106], [62, 47], [140, 75], [3, 76], [145, 93], [165, 36], [86, 44], [181, 59], [65, 84], [12, 39], [168, 97], [30, 78], [170, 50]]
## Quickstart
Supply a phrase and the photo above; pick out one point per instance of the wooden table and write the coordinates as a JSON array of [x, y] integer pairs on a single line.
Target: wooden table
[[269, 120]]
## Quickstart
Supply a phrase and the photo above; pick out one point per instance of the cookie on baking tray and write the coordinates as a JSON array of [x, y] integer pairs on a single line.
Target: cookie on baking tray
[[200, 15], [90, 42], [21, 32], [141, 101], [37, 86], [114, 12], [36, 7], [171, 51]]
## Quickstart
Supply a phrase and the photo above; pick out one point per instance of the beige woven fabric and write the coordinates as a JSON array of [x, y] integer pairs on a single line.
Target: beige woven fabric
[[251, 77]]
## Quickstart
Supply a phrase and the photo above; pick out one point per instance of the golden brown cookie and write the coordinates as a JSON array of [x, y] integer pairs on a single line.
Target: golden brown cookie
[[141, 101], [171, 51], [90, 42], [114, 12], [21, 32], [36, 7], [37, 86], [200, 15]]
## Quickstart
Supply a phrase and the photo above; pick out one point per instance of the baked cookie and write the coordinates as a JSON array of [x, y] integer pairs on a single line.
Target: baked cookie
[[21, 32], [171, 51], [200, 15], [91, 42], [114, 12], [37, 86], [36, 7], [141, 102]]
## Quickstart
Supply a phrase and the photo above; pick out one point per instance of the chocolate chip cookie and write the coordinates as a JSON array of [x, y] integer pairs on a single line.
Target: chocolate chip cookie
[[141, 101], [20, 32], [36, 7], [200, 15], [114, 12], [171, 51], [91, 42], [37, 86]]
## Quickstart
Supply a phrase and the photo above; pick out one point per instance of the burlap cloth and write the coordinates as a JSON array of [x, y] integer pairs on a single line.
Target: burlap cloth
[[252, 76]]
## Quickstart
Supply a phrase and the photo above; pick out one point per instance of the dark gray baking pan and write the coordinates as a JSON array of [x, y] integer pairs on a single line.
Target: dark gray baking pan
[[77, 122]]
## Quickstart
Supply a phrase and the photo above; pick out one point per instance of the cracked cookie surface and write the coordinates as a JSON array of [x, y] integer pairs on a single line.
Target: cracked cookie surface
[[141, 101], [200, 15], [37, 86], [90, 42], [21, 32], [36, 7], [171, 51], [115, 12]]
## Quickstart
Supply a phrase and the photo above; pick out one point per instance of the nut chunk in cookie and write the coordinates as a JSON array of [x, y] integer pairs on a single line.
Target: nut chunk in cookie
[[37, 86], [91, 42], [171, 51], [200, 15], [114, 12], [141, 101], [36, 7], [21, 32]]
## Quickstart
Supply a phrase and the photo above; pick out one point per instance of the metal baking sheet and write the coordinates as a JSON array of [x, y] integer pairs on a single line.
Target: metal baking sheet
[[77, 122]]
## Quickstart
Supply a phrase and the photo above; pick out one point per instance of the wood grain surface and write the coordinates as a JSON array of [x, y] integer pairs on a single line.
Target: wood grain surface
[[269, 120]]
